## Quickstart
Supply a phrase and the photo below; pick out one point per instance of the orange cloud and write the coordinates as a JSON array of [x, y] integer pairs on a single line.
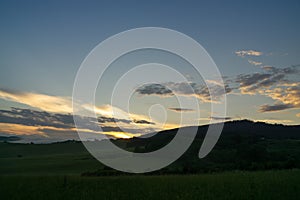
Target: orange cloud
[[41, 101], [255, 63], [57, 104], [122, 135], [289, 95], [274, 121], [243, 53], [114, 112], [19, 129]]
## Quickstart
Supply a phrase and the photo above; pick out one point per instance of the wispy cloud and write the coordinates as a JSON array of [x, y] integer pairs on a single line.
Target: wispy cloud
[[41, 101], [186, 89], [20, 129], [216, 118], [274, 108], [273, 121], [157, 89], [256, 82], [255, 63], [56, 114], [112, 112], [275, 83], [181, 109], [243, 53], [268, 68], [289, 96], [30, 122], [59, 126], [220, 118]]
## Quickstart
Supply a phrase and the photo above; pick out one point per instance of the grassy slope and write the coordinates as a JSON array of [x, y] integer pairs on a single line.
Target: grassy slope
[[233, 185], [53, 172], [60, 158], [73, 159]]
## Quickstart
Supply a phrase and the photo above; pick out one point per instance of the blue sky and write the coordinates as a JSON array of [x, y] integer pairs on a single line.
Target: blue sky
[[44, 42]]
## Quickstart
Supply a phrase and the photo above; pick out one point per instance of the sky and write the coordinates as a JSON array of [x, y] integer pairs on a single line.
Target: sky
[[255, 44]]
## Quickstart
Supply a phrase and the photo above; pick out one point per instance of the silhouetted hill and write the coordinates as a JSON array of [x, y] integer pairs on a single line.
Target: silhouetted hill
[[9, 138], [243, 145], [245, 127]]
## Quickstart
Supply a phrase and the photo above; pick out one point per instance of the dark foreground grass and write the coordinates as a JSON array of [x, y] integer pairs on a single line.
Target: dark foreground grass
[[231, 185]]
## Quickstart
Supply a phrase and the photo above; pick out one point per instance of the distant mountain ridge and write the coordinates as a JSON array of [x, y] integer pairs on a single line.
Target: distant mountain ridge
[[241, 127], [249, 127], [243, 145]]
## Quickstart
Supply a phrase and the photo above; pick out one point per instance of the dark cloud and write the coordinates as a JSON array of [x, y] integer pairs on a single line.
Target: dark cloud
[[36, 118], [243, 53], [181, 109], [63, 124], [265, 83], [253, 83], [155, 88], [246, 80], [221, 118], [41, 118], [109, 119], [280, 84], [268, 68], [186, 89], [277, 83], [275, 107], [288, 70], [142, 122]]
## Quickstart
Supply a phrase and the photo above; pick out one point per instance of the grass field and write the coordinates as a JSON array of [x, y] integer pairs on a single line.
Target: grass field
[[51, 159], [228, 185], [54, 171]]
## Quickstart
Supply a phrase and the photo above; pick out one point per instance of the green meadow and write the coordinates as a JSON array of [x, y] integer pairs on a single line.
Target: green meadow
[[241, 166], [227, 185], [56, 171]]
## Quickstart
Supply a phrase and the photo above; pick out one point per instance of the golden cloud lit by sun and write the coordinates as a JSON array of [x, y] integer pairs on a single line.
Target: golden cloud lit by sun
[[41, 101]]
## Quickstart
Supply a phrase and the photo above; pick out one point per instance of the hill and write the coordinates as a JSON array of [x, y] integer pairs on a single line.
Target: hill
[[243, 145]]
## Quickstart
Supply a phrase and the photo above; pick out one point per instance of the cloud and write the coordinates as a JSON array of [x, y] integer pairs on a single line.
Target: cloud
[[52, 134], [247, 80], [288, 95], [274, 121], [19, 129], [52, 105], [216, 118], [268, 68], [41, 101], [57, 121], [25, 122], [220, 118], [122, 134], [36, 118], [249, 83], [255, 63], [142, 121], [274, 108], [110, 113], [181, 109], [277, 83], [186, 89], [155, 88], [257, 82], [243, 53], [54, 115]]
